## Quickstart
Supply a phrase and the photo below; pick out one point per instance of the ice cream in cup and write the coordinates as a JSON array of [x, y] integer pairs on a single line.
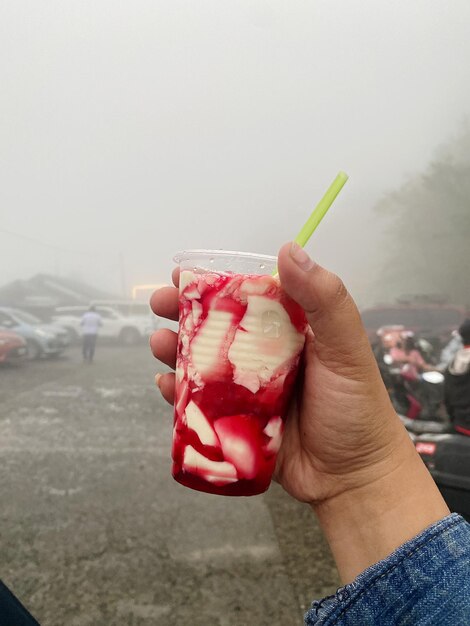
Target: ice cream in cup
[[239, 344]]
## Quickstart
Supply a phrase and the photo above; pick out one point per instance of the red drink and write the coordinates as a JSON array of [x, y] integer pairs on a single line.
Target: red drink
[[239, 345]]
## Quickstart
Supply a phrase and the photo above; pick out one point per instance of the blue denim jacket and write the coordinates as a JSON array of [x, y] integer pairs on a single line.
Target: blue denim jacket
[[426, 581]]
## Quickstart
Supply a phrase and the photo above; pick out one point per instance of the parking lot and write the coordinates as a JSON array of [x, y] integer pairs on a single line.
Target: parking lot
[[95, 531]]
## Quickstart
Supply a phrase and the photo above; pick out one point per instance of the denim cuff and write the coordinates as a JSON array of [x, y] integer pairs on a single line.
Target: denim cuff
[[424, 581]]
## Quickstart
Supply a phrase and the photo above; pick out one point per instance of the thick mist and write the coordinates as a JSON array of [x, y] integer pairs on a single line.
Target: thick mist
[[131, 130]]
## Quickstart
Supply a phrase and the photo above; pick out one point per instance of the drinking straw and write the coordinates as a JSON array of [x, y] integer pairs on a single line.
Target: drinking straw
[[320, 210]]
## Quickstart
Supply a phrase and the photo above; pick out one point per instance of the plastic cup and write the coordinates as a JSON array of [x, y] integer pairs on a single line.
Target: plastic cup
[[239, 344]]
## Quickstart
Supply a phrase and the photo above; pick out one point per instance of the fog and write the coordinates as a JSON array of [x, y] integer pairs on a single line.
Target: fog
[[130, 130]]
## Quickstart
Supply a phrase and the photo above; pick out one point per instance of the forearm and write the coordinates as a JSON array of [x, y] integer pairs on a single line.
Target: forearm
[[365, 524]]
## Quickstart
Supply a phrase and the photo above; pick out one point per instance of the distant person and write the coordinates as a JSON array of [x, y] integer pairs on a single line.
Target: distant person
[[457, 384], [450, 350], [91, 321], [408, 353]]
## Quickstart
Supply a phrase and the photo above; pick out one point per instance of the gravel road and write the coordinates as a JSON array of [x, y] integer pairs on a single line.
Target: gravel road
[[94, 531]]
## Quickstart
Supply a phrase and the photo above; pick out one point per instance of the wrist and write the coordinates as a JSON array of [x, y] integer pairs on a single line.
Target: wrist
[[366, 523]]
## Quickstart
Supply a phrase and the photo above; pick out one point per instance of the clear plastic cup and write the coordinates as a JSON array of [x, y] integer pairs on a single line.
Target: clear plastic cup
[[239, 344]]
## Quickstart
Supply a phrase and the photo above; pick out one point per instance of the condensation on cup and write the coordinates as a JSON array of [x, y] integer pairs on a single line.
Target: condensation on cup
[[239, 344]]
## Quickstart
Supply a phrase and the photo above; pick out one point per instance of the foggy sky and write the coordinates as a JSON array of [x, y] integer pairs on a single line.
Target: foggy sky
[[147, 126]]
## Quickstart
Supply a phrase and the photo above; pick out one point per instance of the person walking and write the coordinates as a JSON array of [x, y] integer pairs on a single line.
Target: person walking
[[90, 323]]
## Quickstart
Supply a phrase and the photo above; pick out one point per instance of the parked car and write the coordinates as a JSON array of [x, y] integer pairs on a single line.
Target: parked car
[[429, 321], [117, 327], [131, 308], [12, 347], [41, 339]]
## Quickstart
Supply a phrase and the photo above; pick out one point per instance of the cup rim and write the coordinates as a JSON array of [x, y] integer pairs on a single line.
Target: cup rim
[[185, 255]]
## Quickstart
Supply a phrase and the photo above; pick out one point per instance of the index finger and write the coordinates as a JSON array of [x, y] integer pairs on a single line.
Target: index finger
[[176, 276], [164, 302]]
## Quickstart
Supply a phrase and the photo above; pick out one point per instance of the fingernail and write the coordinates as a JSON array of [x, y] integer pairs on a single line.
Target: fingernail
[[157, 380], [301, 257]]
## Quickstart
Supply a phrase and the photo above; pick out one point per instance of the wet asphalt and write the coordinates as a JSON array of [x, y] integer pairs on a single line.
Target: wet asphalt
[[94, 531]]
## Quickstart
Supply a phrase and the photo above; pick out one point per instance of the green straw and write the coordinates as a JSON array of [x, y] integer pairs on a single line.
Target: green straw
[[320, 210]]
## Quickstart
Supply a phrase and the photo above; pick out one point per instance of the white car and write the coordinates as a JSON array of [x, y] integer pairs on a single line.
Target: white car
[[131, 308], [127, 330]]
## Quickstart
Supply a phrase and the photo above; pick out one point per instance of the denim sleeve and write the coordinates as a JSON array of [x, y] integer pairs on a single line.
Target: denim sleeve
[[426, 581]]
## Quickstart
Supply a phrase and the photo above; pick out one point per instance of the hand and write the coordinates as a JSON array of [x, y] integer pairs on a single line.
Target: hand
[[342, 431], [344, 448], [163, 342]]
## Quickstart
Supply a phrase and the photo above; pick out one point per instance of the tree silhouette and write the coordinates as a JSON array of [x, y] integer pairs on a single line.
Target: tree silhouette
[[428, 233]]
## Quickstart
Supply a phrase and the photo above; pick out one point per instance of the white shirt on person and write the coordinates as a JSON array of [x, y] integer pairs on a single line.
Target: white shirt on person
[[91, 321]]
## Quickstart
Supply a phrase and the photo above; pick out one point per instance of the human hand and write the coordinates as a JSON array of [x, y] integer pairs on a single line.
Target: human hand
[[163, 342], [344, 450], [341, 429]]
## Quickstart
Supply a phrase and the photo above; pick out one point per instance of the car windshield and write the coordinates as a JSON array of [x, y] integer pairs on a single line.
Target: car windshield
[[27, 318], [140, 309], [107, 313], [134, 308], [74, 312]]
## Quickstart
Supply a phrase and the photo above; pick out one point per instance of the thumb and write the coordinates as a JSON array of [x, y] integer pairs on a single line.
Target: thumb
[[330, 310]]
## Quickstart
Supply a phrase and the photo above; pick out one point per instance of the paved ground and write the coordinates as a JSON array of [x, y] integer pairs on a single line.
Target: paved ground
[[94, 531]]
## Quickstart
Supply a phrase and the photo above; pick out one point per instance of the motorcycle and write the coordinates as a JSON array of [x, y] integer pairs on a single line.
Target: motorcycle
[[446, 454], [414, 395], [418, 400]]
